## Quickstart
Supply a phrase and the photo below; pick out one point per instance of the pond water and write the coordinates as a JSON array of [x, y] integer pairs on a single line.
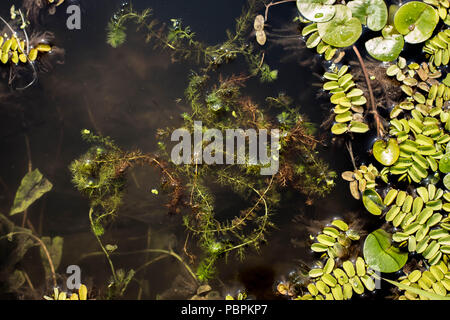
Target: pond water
[[128, 93]]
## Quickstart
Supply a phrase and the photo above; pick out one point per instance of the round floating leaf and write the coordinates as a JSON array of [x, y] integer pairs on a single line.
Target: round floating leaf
[[373, 13], [444, 163], [373, 202], [386, 153], [385, 49], [317, 10], [339, 128], [358, 127], [416, 20], [341, 31], [381, 255]]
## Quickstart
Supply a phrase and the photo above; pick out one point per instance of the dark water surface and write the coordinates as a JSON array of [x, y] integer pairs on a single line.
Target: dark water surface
[[128, 93]]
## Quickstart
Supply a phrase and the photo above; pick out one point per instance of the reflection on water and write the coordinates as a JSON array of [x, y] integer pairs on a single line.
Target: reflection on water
[[128, 93]]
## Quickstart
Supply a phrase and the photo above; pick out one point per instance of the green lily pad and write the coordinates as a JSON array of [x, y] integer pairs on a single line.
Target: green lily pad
[[373, 13], [373, 202], [386, 153], [381, 255], [416, 21], [32, 187], [385, 48], [444, 163], [341, 31], [316, 10]]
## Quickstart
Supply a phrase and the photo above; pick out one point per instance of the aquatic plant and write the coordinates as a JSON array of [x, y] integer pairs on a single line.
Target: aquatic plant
[[412, 144], [61, 295], [331, 26], [181, 42], [21, 52], [339, 274], [100, 175], [20, 239], [436, 281], [116, 29], [349, 101]]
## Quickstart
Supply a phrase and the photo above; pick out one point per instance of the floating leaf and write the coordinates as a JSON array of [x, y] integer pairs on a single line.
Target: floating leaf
[[416, 21], [358, 127], [339, 128], [446, 81], [447, 181], [32, 187], [258, 24], [373, 13], [444, 163], [386, 154], [373, 202], [317, 10], [261, 37], [55, 249], [427, 294], [381, 255], [341, 31], [385, 48]]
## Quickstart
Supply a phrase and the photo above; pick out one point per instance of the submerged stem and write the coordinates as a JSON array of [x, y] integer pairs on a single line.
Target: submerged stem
[[113, 271], [274, 4], [380, 130]]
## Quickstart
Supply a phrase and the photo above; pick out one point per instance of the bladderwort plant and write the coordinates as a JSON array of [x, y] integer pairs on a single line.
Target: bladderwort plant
[[182, 44]]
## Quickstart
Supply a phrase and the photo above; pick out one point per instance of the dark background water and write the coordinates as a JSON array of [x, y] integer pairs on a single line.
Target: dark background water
[[128, 93]]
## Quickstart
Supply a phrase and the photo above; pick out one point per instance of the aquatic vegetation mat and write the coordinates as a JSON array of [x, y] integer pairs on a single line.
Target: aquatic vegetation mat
[[383, 78]]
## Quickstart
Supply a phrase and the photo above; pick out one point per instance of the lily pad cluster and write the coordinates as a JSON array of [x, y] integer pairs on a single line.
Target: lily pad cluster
[[421, 220], [349, 101], [338, 278], [15, 50], [361, 179], [340, 26], [436, 280]]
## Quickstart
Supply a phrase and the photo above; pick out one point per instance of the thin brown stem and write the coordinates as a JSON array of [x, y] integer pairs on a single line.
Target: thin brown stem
[[350, 151], [380, 129], [274, 4]]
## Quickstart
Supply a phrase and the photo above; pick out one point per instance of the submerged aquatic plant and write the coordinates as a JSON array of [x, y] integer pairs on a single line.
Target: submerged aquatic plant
[[116, 29]]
